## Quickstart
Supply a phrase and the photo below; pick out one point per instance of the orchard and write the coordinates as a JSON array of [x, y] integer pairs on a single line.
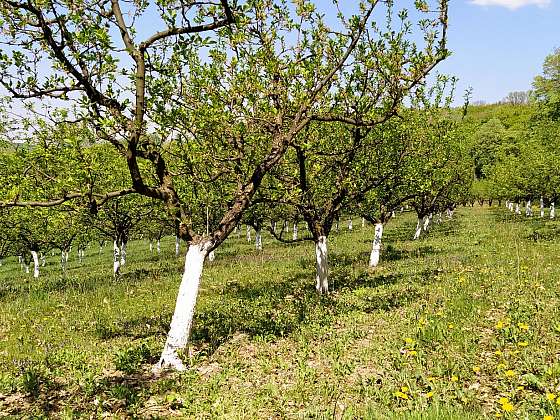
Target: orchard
[[263, 208]]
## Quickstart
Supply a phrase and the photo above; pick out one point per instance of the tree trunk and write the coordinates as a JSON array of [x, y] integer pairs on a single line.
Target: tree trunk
[[295, 233], [542, 207], [528, 209], [43, 259], [35, 264], [258, 240], [177, 246], [116, 259], [418, 229], [363, 222], [248, 233], [376, 248], [181, 324], [151, 247], [211, 256], [517, 209], [552, 211], [349, 224], [158, 246], [322, 277], [427, 221], [123, 253]]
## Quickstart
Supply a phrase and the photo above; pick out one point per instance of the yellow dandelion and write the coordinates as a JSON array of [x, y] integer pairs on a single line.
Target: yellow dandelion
[[520, 388], [464, 400], [523, 326], [500, 325], [548, 417], [523, 344], [500, 366], [498, 353], [409, 340], [558, 401], [510, 373], [476, 369], [404, 388], [507, 407], [503, 400], [451, 326], [550, 396], [430, 394], [401, 395], [454, 378], [498, 415], [431, 378], [413, 352]]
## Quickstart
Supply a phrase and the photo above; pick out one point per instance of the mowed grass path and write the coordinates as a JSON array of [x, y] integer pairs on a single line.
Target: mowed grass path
[[464, 323]]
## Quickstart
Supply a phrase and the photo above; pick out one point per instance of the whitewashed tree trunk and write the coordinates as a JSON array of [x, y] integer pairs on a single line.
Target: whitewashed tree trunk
[[158, 246], [542, 207], [26, 267], [350, 227], [295, 232], [376, 248], [43, 259], [116, 259], [248, 233], [336, 227], [363, 222], [211, 256], [181, 324], [258, 240], [552, 211], [274, 227], [123, 253], [418, 229], [528, 209], [151, 247], [517, 209], [393, 214], [35, 264], [321, 254], [177, 246], [427, 221]]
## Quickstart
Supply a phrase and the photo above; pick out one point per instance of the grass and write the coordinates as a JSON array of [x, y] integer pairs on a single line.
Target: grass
[[463, 324]]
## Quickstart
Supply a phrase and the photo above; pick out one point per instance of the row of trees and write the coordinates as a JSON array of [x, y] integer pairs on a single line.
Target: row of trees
[[223, 110]]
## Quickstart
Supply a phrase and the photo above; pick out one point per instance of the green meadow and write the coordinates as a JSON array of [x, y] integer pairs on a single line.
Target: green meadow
[[462, 324]]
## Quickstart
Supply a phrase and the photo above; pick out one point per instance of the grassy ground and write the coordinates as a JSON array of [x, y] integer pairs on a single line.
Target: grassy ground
[[463, 324]]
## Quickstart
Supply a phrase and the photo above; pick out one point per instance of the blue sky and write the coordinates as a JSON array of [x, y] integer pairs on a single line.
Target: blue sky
[[499, 45]]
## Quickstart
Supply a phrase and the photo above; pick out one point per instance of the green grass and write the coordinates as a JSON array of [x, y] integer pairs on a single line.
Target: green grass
[[443, 329]]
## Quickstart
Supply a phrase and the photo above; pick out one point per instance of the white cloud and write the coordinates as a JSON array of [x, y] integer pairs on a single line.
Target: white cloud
[[511, 4]]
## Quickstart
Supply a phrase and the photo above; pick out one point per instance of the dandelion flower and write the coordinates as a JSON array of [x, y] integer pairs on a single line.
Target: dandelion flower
[[507, 407], [401, 395], [430, 394], [550, 396], [548, 417], [510, 373], [523, 344], [454, 378]]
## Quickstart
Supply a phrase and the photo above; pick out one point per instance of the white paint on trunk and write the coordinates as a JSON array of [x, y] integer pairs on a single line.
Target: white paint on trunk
[[26, 268], [552, 211], [211, 256], [542, 207], [427, 220], [181, 324], [35, 263], [439, 219], [158, 246], [418, 229], [350, 224], [321, 254], [43, 260], [258, 240], [376, 248], [274, 227], [116, 259], [528, 209], [248, 233], [177, 246], [151, 247], [363, 222], [295, 232], [123, 253], [517, 209], [336, 226]]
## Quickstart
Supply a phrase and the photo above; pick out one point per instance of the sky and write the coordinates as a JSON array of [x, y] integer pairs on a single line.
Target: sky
[[499, 45]]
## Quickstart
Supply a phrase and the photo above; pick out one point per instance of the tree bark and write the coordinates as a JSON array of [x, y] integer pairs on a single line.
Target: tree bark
[[35, 264], [295, 232], [321, 254], [248, 233], [116, 259], [376, 248], [181, 324], [418, 229], [258, 240], [552, 211], [177, 246]]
